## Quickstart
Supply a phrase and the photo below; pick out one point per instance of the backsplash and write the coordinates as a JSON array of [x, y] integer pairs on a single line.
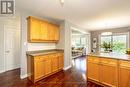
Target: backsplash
[[40, 46]]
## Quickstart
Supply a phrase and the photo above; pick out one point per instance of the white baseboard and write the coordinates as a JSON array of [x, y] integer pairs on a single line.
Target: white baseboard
[[66, 68], [1, 71], [23, 76]]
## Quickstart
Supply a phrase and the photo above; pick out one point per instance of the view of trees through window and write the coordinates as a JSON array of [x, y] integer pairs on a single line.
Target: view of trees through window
[[119, 42]]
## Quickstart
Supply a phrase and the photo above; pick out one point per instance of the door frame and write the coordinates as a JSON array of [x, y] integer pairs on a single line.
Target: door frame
[[5, 27]]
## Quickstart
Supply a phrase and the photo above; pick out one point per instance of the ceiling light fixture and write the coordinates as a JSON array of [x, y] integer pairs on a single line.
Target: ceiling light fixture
[[62, 2]]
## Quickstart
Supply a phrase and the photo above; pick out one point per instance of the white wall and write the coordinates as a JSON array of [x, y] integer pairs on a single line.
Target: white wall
[[61, 43], [65, 41], [40, 46]]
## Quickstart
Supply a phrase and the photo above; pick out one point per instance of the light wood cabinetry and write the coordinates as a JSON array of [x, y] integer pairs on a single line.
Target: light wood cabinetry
[[41, 72], [34, 29], [55, 62], [103, 70], [124, 73], [93, 68], [42, 31], [42, 66], [61, 61], [109, 72]]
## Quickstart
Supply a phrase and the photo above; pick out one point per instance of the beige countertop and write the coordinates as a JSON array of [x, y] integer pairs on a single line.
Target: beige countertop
[[111, 55], [43, 52]]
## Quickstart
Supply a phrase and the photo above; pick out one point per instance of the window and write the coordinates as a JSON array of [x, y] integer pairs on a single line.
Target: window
[[79, 40], [119, 41]]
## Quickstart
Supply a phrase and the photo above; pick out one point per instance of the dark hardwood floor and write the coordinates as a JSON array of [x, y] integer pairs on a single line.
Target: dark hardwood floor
[[74, 77]]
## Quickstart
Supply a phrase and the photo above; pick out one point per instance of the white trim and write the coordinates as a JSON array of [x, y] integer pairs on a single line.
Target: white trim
[[24, 76], [68, 67], [115, 34], [2, 71]]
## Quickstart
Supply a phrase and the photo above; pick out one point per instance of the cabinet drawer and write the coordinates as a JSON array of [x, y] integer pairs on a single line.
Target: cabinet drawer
[[93, 59], [60, 54], [110, 62], [124, 64], [45, 57]]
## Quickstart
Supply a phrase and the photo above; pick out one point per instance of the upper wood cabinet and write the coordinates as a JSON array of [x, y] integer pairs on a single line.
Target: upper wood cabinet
[[42, 31]]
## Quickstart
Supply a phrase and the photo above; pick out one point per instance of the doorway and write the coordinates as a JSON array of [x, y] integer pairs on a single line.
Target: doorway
[[10, 37], [11, 47], [79, 43]]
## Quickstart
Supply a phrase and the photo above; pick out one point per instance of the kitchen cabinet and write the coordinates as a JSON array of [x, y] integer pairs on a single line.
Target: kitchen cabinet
[[61, 61], [93, 68], [103, 70], [57, 32], [55, 63], [42, 66], [124, 73], [42, 31], [34, 29], [38, 71], [53, 32], [109, 72]]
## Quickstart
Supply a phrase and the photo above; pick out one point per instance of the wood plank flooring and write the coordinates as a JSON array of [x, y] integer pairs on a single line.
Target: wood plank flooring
[[74, 77]]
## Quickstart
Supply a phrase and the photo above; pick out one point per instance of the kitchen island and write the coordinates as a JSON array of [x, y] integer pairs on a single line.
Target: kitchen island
[[43, 63], [109, 69]]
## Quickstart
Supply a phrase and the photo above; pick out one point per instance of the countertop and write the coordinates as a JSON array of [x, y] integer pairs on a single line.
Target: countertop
[[111, 55], [43, 52]]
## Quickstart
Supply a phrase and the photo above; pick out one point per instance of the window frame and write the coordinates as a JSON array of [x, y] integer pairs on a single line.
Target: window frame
[[115, 34]]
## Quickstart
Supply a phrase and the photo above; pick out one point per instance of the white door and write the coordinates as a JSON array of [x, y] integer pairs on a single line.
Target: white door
[[11, 48]]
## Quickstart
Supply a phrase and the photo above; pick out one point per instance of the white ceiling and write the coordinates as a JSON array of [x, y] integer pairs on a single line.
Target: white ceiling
[[89, 14]]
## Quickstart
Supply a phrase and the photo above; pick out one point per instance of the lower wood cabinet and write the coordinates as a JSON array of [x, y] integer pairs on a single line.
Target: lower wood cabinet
[[55, 62], [61, 61], [109, 72], [40, 67], [38, 71], [103, 70], [124, 74], [93, 68]]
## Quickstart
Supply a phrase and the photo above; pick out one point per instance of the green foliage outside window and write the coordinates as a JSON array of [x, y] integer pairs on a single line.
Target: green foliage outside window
[[119, 47]]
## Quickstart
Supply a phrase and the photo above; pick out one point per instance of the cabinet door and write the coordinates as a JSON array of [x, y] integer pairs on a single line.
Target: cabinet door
[[43, 32], [55, 62], [93, 68], [109, 72], [124, 74], [35, 27], [93, 71], [56, 32], [39, 66], [61, 61], [51, 32], [48, 66]]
